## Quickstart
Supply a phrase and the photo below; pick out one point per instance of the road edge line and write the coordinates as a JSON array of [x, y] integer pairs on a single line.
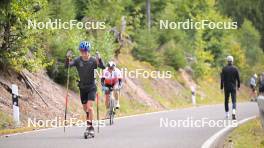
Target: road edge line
[[210, 141]]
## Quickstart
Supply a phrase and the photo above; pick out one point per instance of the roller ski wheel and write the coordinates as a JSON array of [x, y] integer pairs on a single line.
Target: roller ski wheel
[[233, 117], [89, 133]]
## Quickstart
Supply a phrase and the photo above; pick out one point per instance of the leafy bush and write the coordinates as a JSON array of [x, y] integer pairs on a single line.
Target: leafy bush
[[146, 47], [174, 56], [249, 38], [202, 67]]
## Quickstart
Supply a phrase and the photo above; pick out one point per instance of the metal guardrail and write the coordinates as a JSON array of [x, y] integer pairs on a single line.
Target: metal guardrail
[[260, 101]]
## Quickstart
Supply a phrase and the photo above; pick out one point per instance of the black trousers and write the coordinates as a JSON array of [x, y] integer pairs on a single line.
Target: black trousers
[[229, 92]]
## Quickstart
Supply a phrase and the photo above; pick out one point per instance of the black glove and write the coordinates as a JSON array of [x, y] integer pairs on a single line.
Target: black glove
[[120, 83], [68, 58], [67, 62]]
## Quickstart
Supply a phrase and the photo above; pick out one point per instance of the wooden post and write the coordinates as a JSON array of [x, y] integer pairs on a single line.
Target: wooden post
[[148, 14]]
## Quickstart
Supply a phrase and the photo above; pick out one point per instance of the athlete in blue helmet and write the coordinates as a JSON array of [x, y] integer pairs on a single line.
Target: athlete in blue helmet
[[85, 65]]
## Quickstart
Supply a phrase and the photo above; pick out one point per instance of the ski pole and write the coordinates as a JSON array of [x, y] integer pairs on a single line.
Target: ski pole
[[69, 54], [65, 113], [97, 108], [97, 97]]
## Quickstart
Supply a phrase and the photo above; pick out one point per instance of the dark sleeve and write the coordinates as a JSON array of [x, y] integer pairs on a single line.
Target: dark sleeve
[[100, 64], [222, 79], [238, 78]]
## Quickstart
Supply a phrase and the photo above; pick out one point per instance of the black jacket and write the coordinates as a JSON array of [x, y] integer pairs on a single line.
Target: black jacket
[[230, 78]]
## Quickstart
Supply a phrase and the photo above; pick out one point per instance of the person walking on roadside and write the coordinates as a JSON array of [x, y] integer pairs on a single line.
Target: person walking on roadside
[[260, 98], [261, 83], [230, 82], [253, 86]]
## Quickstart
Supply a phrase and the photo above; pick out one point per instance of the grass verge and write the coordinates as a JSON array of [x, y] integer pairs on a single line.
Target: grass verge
[[248, 135]]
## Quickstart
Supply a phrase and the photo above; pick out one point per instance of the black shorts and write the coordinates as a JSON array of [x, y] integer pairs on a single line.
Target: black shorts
[[261, 88], [110, 87], [253, 88], [87, 95]]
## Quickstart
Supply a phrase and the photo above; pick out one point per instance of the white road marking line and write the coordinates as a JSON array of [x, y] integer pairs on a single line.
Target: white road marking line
[[209, 142]]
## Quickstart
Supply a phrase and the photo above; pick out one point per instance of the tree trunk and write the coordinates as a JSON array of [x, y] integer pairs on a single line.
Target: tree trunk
[[148, 14], [5, 45], [7, 25]]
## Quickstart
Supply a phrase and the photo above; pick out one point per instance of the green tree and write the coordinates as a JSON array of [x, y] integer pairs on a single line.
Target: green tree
[[174, 56], [20, 46], [239, 10], [146, 47], [62, 9], [249, 38]]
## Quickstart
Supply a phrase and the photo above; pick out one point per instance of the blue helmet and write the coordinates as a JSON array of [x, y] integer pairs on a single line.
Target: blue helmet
[[85, 46]]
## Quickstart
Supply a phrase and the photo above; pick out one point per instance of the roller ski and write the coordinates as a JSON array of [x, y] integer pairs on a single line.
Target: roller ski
[[89, 132]]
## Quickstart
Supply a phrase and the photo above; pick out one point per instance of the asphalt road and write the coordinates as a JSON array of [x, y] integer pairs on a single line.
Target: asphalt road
[[143, 131]]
